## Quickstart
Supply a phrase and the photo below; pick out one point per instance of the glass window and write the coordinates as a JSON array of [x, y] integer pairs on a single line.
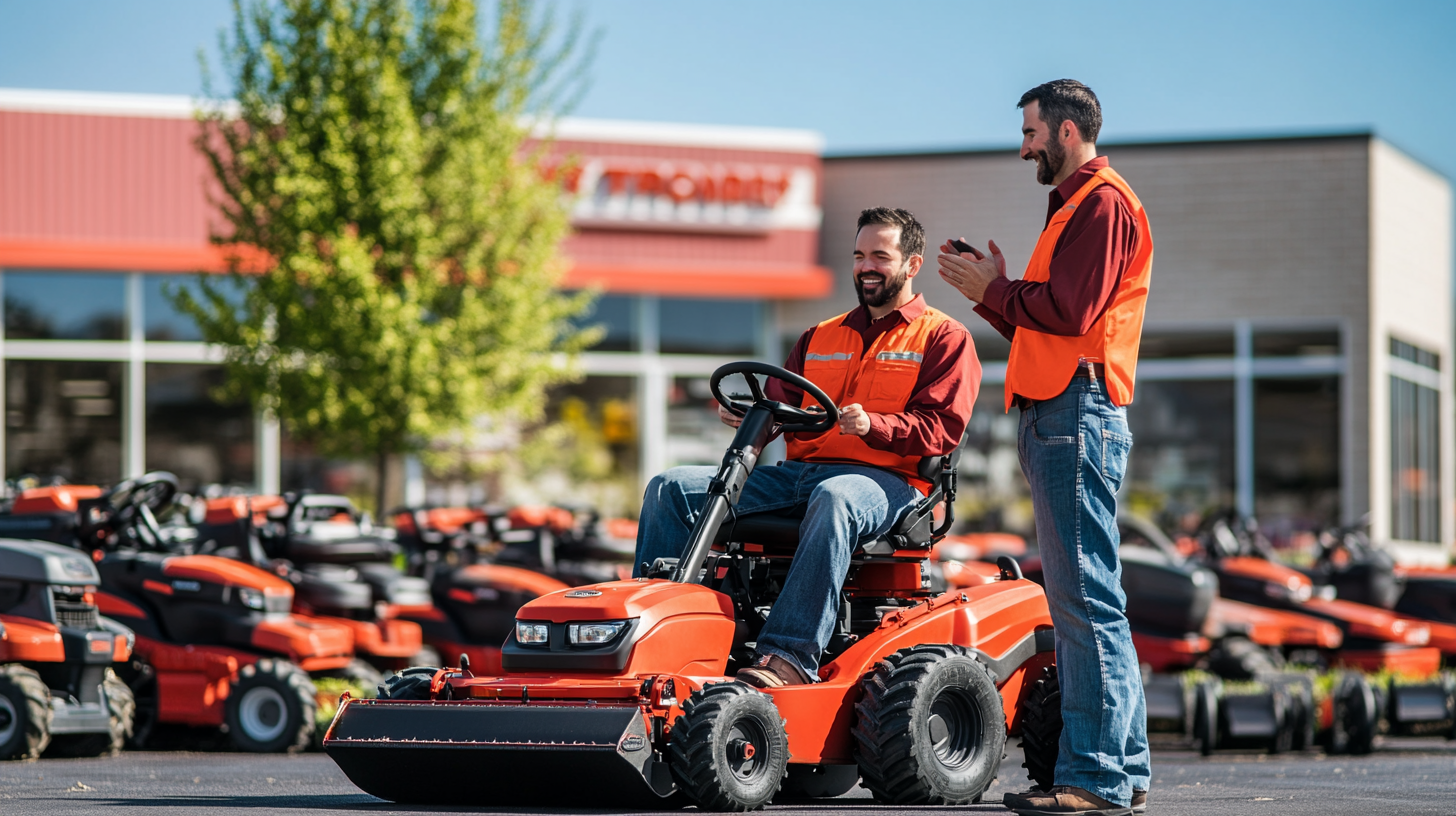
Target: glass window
[[1296, 343], [992, 494], [65, 306], [192, 434], [63, 419], [690, 326], [617, 314], [992, 348], [1415, 461], [1182, 462], [1415, 354], [1186, 344], [163, 320], [695, 434], [1296, 454]]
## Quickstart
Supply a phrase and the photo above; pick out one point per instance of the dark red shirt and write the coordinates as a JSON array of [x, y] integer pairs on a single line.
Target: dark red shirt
[[1087, 264], [939, 407]]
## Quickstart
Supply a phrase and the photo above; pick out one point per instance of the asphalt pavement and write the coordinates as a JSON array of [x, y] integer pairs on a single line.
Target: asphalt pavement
[[1411, 776]]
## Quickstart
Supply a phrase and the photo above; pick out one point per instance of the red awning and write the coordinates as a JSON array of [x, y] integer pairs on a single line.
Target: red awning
[[159, 257], [744, 280]]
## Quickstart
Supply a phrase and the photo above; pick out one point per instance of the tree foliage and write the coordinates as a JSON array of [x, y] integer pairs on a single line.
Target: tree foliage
[[376, 153]]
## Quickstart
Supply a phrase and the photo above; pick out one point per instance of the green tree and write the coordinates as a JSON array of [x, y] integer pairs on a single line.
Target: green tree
[[375, 152]]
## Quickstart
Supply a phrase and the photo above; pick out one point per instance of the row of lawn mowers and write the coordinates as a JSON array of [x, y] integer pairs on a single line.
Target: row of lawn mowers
[[135, 616], [1240, 650]]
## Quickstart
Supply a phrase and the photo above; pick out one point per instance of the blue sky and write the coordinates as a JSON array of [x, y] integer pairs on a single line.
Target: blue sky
[[896, 76]]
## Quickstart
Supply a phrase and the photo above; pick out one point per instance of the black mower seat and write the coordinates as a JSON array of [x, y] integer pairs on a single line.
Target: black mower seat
[[309, 550], [912, 531], [327, 587], [394, 587]]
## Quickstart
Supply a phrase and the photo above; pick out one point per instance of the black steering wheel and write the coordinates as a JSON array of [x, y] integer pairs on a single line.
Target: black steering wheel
[[136, 503], [791, 418]]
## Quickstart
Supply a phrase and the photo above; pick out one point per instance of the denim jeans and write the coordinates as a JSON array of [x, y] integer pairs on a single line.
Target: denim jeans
[[846, 505], [1074, 449]]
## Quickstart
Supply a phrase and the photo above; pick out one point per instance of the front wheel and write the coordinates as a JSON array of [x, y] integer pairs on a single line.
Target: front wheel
[[121, 710], [25, 713], [728, 750], [1041, 728], [271, 708], [931, 728]]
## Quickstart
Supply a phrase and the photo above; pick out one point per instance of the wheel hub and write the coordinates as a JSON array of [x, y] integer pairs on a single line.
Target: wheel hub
[[954, 726], [7, 720], [263, 714], [743, 741]]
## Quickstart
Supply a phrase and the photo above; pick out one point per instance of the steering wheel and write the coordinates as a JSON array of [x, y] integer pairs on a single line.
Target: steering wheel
[[791, 418], [137, 501]]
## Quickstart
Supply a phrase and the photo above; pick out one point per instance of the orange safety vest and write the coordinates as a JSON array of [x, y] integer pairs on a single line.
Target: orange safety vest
[[880, 379], [1041, 364]]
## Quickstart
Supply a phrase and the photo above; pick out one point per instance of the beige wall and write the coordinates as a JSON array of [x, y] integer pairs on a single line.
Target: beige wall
[[1410, 274]]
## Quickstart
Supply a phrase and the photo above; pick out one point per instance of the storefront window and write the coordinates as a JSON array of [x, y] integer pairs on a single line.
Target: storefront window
[[691, 326], [992, 348], [586, 453], [1182, 462], [63, 420], [617, 315], [1296, 343], [1415, 443], [992, 492], [1186, 344], [193, 435], [163, 320], [1296, 454], [695, 434], [65, 306]]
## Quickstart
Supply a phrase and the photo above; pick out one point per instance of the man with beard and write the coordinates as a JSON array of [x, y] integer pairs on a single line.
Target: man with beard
[[904, 376], [1074, 320]]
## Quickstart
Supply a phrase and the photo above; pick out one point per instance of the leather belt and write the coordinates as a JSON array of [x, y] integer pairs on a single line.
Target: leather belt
[[1086, 369]]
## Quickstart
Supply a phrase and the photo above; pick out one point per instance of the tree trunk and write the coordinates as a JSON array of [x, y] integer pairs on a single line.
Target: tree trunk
[[381, 484]]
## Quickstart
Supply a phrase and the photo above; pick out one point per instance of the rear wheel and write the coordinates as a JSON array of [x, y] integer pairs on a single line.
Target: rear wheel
[[728, 750], [271, 708], [410, 684], [25, 713], [121, 708], [1238, 658], [1041, 728], [1356, 716], [931, 728]]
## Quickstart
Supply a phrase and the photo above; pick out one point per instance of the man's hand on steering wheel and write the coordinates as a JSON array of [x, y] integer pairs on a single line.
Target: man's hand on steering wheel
[[816, 419]]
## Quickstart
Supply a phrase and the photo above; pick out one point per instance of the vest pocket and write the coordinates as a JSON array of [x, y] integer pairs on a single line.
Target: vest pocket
[[891, 382]]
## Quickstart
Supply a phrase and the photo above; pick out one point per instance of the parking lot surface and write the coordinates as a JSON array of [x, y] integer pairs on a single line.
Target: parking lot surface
[[1403, 777]]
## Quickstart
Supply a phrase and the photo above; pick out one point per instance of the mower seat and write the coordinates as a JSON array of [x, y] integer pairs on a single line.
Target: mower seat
[[915, 530], [394, 587]]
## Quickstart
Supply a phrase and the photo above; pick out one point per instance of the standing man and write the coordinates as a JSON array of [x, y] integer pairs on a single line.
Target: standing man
[[1074, 321]]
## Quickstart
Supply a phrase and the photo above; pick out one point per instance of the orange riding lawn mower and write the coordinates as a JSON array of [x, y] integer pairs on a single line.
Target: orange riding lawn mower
[[622, 688], [217, 651]]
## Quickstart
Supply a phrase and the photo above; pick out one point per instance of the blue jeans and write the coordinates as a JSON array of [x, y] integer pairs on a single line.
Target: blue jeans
[[1074, 449], [846, 505]]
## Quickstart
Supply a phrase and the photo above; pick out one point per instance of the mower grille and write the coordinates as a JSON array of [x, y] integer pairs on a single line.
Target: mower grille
[[78, 615]]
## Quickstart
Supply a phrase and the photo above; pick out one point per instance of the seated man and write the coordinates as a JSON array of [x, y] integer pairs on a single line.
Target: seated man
[[905, 377]]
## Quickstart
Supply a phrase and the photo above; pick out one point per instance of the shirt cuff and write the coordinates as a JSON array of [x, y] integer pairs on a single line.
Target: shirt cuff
[[995, 296], [878, 436]]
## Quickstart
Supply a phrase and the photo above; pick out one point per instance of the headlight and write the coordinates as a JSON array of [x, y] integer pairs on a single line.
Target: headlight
[[535, 634], [594, 634], [252, 598]]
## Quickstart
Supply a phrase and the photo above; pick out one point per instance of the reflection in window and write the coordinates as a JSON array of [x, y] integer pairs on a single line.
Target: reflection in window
[[1174, 345], [163, 320], [1415, 444], [695, 434], [193, 435], [1296, 454], [1182, 462], [992, 492], [617, 315], [1296, 343], [65, 306], [63, 419], [586, 454], [690, 326]]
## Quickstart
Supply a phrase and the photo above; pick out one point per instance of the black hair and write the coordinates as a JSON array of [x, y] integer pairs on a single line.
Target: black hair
[[912, 234], [1063, 99]]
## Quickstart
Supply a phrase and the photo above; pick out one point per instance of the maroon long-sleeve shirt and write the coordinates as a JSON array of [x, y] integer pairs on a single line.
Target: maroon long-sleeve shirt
[[1087, 264], [939, 407]]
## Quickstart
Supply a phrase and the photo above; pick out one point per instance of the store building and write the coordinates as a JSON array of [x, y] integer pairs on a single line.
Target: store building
[[691, 233], [1296, 361]]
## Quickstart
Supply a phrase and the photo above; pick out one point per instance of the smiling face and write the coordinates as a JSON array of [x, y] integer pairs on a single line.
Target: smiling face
[[1040, 143], [881, 269]]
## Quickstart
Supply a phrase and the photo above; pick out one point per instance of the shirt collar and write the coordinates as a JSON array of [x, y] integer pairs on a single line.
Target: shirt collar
[[859, 319], [1072, 184]]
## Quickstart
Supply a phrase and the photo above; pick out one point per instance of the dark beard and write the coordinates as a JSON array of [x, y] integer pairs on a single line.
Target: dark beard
[[1051, 162], [888, 292]]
